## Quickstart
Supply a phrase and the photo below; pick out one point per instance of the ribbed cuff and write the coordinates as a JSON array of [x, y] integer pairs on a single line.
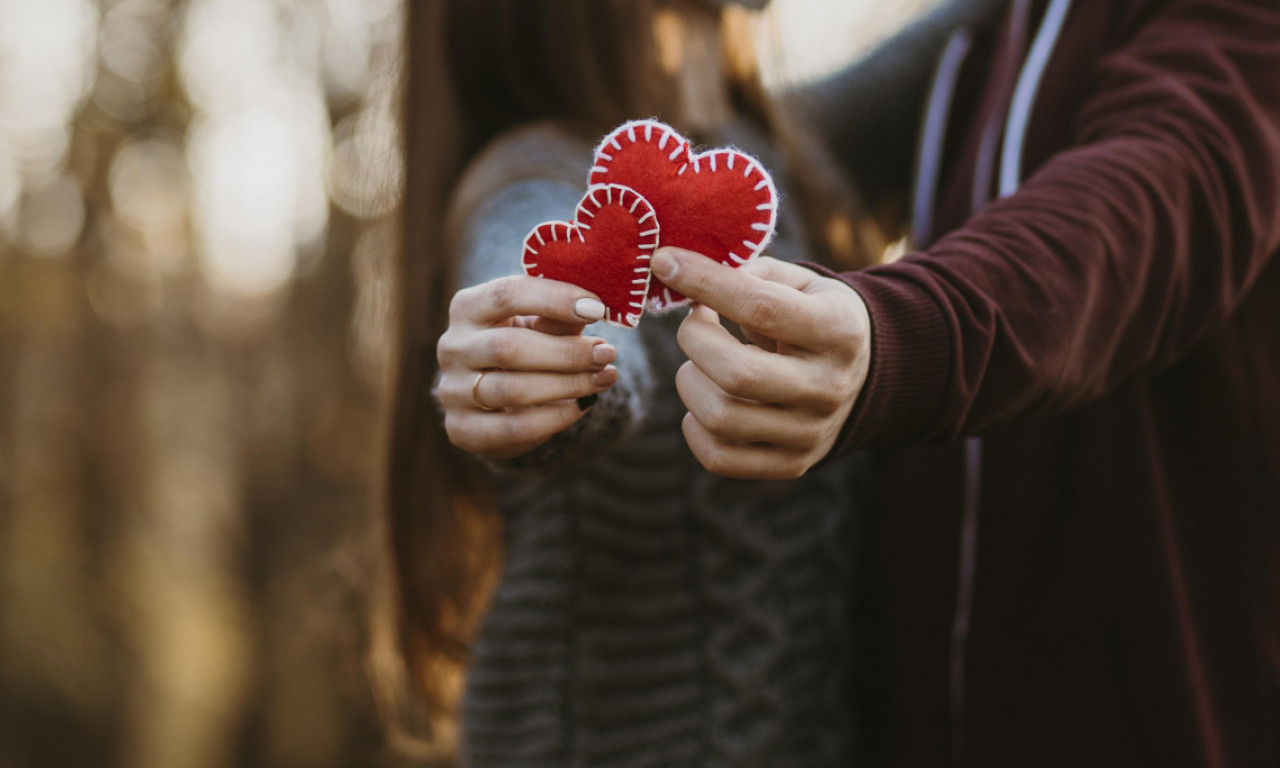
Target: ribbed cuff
[[910, 360]]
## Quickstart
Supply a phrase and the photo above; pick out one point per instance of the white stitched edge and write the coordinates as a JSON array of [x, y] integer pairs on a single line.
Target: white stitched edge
[[627, 198], [694, 160]]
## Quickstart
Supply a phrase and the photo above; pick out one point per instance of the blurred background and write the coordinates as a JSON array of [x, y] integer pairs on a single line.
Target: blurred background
[[197, 216]]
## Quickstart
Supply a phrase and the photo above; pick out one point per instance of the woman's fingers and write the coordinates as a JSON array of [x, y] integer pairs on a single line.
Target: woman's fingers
[[498, 300], [509, 433], [523, 349], [519, 389], [514, 363], [548, 326]]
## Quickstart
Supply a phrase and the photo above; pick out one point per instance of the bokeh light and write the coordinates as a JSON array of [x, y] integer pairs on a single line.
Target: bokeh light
[[258, 175], [148, 184], [10, 186], [46, 65], [806, 40], [52, 215]]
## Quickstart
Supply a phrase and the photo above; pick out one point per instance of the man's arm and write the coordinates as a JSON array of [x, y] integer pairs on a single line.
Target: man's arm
[[1112, 260]]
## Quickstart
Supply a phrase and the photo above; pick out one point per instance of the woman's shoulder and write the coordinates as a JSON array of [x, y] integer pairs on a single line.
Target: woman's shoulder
[[542, 151], [525, 176]]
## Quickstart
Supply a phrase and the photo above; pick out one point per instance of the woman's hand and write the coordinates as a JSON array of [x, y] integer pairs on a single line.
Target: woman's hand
[[514, 363], [773, 408]]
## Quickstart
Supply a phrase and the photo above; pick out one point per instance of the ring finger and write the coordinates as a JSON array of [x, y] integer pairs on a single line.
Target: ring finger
[[517, 389]]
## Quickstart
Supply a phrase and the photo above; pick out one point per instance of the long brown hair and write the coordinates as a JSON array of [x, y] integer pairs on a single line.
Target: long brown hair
[[478, 68]]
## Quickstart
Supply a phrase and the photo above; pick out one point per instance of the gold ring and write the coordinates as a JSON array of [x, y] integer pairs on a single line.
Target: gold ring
[[475, 393]]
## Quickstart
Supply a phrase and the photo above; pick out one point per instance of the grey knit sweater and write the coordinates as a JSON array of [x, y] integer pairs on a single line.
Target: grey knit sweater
[[649, 613]]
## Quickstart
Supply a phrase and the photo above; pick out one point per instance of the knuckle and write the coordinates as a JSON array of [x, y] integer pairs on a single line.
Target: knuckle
[[446, 349], [507, 390], [827, 398], [791, 469], [455, 428], [717, 417], [577, 353], [807, 436], [458, 304], [736, 378], [513, 431], [765, 309], [714, 460], [697, 282], [845, 325], [446, 393], [502, 294], [502, 349], [830, 391]]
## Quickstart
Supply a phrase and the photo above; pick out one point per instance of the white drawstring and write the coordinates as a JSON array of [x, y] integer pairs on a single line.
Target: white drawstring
[[933, 135], [1024, 95]]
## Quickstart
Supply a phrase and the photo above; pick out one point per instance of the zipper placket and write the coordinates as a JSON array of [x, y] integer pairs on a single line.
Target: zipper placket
[[929, 160]]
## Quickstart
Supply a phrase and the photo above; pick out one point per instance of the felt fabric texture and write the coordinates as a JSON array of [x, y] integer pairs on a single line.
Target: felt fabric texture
[[721, 203], [606, 249]]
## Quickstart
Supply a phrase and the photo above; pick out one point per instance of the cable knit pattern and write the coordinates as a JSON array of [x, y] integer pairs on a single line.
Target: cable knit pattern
[[650, 614]]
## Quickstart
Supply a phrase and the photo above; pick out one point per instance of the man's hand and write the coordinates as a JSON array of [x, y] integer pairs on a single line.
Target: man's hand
[[773, 408]]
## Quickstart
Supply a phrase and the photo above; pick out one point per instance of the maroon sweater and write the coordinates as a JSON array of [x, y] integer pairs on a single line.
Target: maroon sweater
[[1112, 331]]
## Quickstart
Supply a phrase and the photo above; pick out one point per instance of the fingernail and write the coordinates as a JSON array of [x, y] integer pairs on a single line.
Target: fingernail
[[586, 402], [606, 378], [663, 263], [603, 354], [588, 309]]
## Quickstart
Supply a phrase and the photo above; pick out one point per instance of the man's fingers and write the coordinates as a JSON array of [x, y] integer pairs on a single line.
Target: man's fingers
[[744, 421], [741, 460], [518, 389], [774, 309], [760, 340], [775, 271], [522, 349], [740, 369], [506, 297]]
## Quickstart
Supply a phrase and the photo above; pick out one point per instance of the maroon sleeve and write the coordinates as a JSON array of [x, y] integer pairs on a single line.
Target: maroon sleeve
[[1112, 259]]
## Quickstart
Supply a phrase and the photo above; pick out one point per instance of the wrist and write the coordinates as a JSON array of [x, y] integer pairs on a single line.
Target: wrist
[[907, 358]]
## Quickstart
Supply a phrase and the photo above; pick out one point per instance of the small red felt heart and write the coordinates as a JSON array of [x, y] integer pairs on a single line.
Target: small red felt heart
[[608, 256], [720, 203]]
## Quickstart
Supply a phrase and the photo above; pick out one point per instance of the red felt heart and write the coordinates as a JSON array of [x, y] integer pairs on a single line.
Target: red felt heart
[[720, 203], [606, 249]]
